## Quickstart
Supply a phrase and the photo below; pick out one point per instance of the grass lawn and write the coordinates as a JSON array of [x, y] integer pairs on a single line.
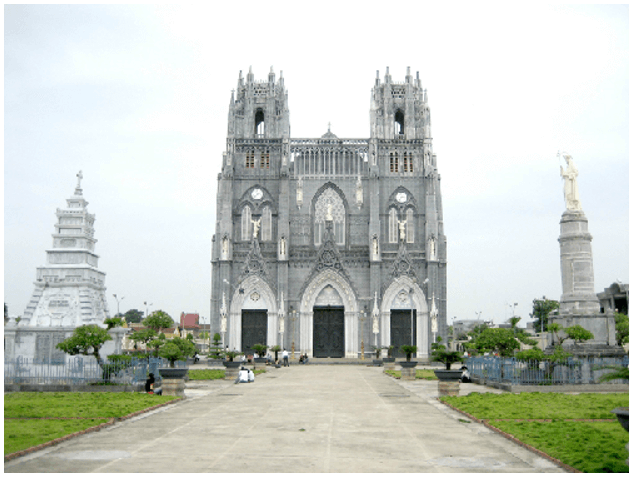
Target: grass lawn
[[95, 408], [211, 374], [420, 373], [591, 447]]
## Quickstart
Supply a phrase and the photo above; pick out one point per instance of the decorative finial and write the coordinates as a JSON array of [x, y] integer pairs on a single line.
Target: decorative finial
[[79, 178]]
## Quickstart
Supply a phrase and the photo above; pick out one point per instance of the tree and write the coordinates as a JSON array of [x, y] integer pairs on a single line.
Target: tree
[[86, 340], [143, 336], [575, 332], [176, 349], [158, 320], [113, 322], [502, 341], [541, 310], [622, 328], [134, 316]]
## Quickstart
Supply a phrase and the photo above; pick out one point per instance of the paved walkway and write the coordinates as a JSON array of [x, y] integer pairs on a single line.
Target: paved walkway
[[296, 419]]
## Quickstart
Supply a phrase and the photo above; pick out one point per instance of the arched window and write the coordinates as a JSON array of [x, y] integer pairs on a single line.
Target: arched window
[[259, 123], [399, 123], [329, 202], [246, 225], [266, 224], [410, 226], [392, 226]]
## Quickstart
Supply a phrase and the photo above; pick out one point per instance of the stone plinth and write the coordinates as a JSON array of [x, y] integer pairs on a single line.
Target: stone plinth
[[408, 370], [450, 389], [578, 283]]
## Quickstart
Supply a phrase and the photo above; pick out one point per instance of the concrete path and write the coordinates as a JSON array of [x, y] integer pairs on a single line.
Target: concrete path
[[315, 419]]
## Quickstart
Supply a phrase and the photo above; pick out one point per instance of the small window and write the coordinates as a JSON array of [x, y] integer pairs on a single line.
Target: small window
[[265, 159], [250, 159], [394, 162]]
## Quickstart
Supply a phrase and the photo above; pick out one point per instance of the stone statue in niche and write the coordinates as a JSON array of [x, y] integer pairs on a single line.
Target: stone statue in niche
[[255, 227], [375, 246], [402, 230], [571, 193], [330, 208], [299, 192]]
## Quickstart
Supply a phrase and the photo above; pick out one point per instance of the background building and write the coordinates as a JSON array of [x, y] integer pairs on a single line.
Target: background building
[[328, 243]]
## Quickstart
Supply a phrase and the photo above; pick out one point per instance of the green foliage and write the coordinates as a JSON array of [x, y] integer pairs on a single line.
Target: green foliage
[[85, 340], [261, 349], [441, 354], [622, 327], [408, 350], [22, 434], [619, 373], [158, 320], [207, 374], [113, 322], [420, 374], [143, 336], [588, 447], [538, 405], [578, 333], [190, 337], [134, 316], [531, 354], [231, 354], [217, 338], [541, 310], [176, 349], [502, 341]]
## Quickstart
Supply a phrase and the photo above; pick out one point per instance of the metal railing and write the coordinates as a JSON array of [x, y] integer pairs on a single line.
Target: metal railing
[[83, 370], [534, 372]]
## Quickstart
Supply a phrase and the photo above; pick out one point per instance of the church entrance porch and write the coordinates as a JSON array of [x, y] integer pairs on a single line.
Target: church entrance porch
[[401, 331], [329, 332], [254, 329]]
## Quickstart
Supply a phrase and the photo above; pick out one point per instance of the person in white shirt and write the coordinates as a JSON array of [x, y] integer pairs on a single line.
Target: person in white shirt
[[286, 358], [243, 376]]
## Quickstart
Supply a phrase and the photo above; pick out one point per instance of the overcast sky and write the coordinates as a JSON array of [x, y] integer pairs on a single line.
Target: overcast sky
[[137, 98]]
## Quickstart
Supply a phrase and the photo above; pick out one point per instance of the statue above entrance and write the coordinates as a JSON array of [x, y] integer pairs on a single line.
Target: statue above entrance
[[571, 194]]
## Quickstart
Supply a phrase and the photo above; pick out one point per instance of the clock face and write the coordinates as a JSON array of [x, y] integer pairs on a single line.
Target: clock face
[[401, 197], [257, 194]]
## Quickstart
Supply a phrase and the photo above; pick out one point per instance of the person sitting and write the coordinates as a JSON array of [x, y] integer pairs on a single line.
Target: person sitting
[[150, 386], [243, 376], [465, 375], [251, 376], [196, 358]]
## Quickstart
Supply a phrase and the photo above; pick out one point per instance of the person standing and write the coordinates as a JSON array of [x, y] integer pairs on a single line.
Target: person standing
[[286, 358]]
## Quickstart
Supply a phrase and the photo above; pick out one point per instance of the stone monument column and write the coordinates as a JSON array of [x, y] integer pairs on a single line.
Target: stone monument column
[[579, 304]]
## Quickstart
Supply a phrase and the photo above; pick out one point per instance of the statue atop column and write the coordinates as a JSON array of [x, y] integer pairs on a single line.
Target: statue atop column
[[571, 194]]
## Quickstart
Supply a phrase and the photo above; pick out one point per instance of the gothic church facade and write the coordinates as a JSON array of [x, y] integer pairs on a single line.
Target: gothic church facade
[[329, 245]]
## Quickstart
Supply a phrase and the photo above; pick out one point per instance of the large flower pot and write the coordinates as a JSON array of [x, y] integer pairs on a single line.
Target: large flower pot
[[389, 363], [408, 370], [232, 370], [260, 360], [448, 382], [173, 381], [377, 362]]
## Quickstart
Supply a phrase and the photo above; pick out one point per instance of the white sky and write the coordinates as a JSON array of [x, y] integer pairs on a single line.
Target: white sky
[[137, 98]]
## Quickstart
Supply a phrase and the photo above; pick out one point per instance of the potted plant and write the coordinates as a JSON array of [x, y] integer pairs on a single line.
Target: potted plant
[[261, 350], [230, 355], [377, 360], [408, 350], [172, 377], [441, 354], [276, 349]]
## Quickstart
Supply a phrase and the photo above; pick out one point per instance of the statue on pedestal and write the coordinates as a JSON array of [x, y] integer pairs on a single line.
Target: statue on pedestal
[[571, 193]]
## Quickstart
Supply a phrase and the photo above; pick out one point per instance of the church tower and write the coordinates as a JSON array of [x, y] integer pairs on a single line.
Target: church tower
[[328, 245]]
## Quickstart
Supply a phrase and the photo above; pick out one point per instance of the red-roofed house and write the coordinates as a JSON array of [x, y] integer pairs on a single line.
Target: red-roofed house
[[190, 323]]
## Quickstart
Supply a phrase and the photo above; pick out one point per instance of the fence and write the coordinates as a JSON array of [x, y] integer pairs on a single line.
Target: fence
[[534, 372], [83, 370]]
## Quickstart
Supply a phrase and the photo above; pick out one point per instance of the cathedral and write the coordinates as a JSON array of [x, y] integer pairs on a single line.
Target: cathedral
[[329, 246]]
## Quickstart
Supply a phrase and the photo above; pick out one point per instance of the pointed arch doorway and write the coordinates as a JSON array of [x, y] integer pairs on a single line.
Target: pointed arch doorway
[[329, 317]]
